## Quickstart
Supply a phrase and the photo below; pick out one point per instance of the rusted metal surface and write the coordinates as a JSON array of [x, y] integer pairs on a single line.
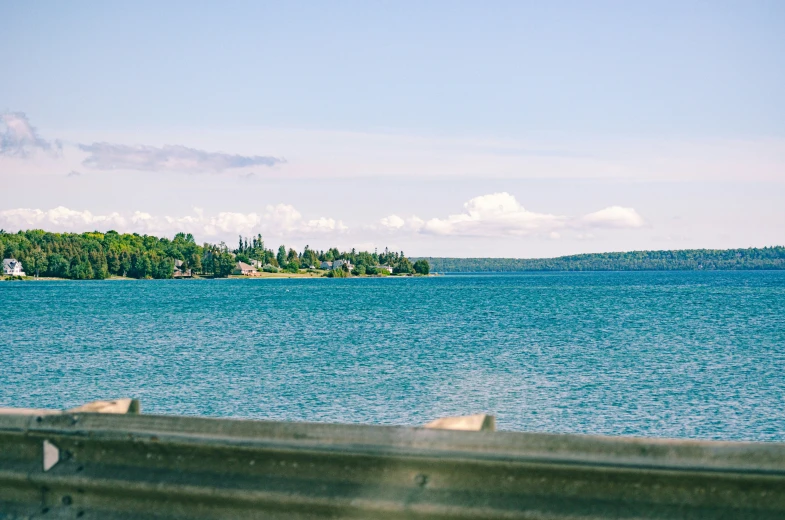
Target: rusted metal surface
[[111, 466]]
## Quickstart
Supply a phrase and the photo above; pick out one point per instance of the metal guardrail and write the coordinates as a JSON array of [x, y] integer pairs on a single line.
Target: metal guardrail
[[107, 466]]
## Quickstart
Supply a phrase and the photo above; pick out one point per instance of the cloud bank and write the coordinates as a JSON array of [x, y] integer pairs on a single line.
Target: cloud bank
[[500, 214], [275, 220], [487, 216], [18, 138], [170, 158]]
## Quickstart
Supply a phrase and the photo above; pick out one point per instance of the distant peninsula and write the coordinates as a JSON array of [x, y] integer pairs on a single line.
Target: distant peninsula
[[111, 255], [99, 256], [669, 260]]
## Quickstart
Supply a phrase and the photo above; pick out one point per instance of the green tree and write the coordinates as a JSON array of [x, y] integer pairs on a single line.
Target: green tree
[[281, 255], [404, 266], [80, 270], [225, 265], [164, 269], [309, 258], [98, 264], [58, 266], [337, 273], [143, 266], [258, 248], [125, 263], [113, 262], [38, 260], [422, 267], [194, 262]]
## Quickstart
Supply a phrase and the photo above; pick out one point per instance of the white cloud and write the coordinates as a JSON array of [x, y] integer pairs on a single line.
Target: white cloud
[[500, 214], [392, 222], [496, 214], [614, 217], [325, 225], [59, 218], [277, 220], [396, 223]]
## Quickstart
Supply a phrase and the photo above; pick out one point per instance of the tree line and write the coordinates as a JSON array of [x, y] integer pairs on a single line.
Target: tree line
[[672, 260], [363, 262], [97, 256]]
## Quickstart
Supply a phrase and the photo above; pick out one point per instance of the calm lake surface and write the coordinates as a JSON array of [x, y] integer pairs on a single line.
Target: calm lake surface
[[684, 354]]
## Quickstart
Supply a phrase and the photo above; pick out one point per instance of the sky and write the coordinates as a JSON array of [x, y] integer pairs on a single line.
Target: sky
[[505, 129]]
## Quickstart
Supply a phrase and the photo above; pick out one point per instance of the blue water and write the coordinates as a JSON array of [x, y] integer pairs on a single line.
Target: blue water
[[698, 355]]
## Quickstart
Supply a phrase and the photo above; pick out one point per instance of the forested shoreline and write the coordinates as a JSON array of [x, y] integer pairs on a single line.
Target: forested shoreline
[[97, 256], [668, 260]]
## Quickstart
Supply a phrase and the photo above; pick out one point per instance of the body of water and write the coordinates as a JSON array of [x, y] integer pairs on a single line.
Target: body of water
[[674, 354]]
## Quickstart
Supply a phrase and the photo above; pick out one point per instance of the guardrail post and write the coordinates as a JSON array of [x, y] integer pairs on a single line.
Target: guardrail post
[[473, 423]]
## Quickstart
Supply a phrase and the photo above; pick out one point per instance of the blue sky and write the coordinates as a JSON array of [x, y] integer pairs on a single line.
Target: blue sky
[[493, 128]]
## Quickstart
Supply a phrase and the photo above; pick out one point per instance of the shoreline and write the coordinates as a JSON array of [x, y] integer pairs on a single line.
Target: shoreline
[[268, 276], [322, 274]]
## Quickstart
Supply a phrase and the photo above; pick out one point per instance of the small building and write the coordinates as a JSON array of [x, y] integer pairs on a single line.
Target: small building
[[179, 271], [326, 265], [257, 263], [245, 270], [340, 263], [12, 267], [384, 268]]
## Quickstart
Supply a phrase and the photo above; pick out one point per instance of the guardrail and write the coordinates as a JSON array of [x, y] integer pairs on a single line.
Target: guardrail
[[108, 466]]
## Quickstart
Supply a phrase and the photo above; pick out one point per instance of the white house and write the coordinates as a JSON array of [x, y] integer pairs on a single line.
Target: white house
[[12, 267], [339, 263], [384, 268], [326, 265]]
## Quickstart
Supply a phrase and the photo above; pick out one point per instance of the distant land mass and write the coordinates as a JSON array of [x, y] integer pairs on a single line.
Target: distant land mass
[[673, 260], [98, 256]]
